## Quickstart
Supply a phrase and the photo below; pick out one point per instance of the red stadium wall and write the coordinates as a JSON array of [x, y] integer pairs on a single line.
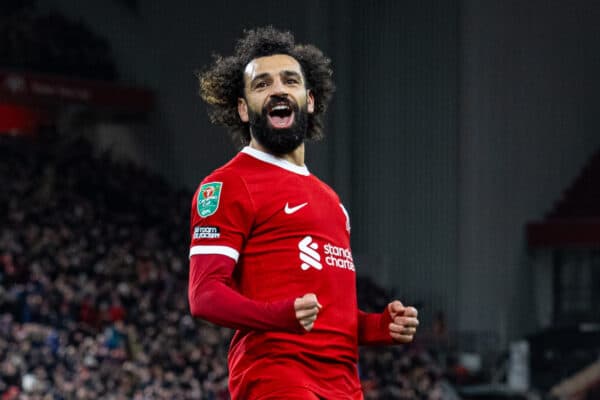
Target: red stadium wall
[[20, 120]]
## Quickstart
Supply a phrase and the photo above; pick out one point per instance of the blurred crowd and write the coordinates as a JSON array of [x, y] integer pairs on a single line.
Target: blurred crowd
[[93, 283], [407, 372], [51, 43]]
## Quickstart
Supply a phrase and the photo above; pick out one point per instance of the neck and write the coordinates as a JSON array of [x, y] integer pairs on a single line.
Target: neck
[[295, 157]]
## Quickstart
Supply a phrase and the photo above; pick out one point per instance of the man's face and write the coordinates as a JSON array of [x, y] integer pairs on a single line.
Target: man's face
[[276, 102]]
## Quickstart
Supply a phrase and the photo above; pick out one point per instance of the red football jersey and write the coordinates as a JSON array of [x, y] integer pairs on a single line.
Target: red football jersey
[[290, 235]]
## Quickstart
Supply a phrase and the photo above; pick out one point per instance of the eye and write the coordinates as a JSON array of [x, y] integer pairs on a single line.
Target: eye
[[261, 84], [292, 81]]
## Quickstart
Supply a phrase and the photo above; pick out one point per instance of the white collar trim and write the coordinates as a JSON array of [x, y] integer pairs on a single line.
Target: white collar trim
[[280, 162]]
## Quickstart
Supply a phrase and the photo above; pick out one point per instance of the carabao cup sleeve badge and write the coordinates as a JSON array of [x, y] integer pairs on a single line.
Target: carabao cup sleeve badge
[[208, 198]]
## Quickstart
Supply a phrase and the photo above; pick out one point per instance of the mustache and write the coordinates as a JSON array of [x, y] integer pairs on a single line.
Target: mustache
[[275, 100]]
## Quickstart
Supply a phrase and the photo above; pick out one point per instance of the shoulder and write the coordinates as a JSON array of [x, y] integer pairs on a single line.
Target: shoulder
[[223, 175], [222, 181], [325, 187], [230, 175], [224, 187]]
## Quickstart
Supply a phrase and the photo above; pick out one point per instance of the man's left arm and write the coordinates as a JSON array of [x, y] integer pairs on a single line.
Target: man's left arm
[[396, 324]]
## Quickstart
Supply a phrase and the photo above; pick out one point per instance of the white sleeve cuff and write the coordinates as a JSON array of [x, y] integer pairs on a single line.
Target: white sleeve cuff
[[223, 250]]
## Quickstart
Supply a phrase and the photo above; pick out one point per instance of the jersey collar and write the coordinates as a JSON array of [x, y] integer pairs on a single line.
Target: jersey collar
[[280, 162]]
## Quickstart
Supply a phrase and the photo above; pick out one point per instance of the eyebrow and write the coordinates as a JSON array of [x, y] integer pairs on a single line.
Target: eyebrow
[[288, 73], [285, 73], [259, 77]]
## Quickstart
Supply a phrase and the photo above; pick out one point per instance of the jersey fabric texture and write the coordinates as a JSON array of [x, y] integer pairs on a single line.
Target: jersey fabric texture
[[289, 235]]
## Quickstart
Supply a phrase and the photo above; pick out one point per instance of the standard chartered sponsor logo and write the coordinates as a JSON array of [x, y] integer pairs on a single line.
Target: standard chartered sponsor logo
[[309, 255], [334, 256], [338, 257]]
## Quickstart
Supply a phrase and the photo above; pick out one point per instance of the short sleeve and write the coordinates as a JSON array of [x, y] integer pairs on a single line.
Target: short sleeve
[[221, 216]]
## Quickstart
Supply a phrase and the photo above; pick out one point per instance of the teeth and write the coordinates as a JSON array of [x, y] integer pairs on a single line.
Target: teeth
[[280, 107]]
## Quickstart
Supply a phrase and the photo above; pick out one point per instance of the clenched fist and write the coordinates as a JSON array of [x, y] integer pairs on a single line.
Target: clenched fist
[[307, 307], [404, 322]]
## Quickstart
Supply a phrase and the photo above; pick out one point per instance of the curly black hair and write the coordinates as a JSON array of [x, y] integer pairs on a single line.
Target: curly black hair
[[223, 82]]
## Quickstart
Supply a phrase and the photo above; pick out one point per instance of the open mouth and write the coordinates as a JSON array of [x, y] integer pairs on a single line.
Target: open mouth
[[281, 116]]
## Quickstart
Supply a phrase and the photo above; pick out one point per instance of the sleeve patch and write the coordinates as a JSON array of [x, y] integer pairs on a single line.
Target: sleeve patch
[[206, 232], [208, 198]]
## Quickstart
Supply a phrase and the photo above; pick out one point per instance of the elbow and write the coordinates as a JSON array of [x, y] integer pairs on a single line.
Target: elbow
[[198, 307], [195, 310]]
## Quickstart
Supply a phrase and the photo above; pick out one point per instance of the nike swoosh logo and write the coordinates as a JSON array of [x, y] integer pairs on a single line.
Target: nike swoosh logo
[[291, 210]]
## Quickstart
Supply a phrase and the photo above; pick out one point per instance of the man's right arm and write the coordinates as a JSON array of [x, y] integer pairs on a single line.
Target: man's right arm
[[212, 298], [222, 206]]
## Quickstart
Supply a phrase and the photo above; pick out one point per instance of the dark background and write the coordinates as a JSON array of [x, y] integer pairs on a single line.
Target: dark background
[[454, 124]]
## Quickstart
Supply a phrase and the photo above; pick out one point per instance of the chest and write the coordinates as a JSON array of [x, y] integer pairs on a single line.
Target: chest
[[289, 205]]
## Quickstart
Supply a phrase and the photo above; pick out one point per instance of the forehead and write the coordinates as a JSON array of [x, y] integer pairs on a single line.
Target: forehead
[[271, 65]]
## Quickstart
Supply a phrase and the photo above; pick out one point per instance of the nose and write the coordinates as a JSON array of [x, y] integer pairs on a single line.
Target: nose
[[279, 88]]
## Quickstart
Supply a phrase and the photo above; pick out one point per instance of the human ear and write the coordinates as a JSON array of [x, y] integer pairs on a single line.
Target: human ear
[[242, 108], [310, 102]]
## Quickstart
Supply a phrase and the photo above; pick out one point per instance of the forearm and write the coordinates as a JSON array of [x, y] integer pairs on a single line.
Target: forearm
[[213, 299], [373, 328]]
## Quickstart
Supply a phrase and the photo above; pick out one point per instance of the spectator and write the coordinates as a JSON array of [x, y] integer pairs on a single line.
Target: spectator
[[91, 281]]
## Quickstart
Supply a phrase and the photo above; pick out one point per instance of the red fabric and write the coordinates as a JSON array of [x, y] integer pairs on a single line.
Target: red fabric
[[292, 236], [373, 329], [11, 394], [292, 394], [116, 313], [212, 298], [88, 313], [300, 394]]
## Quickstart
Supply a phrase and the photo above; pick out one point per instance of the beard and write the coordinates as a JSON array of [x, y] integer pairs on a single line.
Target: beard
[[279, 141]]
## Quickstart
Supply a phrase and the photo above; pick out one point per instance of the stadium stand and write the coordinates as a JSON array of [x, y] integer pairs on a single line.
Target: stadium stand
[[93, 276], [563, 352], [93, 252], [31, 41]]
